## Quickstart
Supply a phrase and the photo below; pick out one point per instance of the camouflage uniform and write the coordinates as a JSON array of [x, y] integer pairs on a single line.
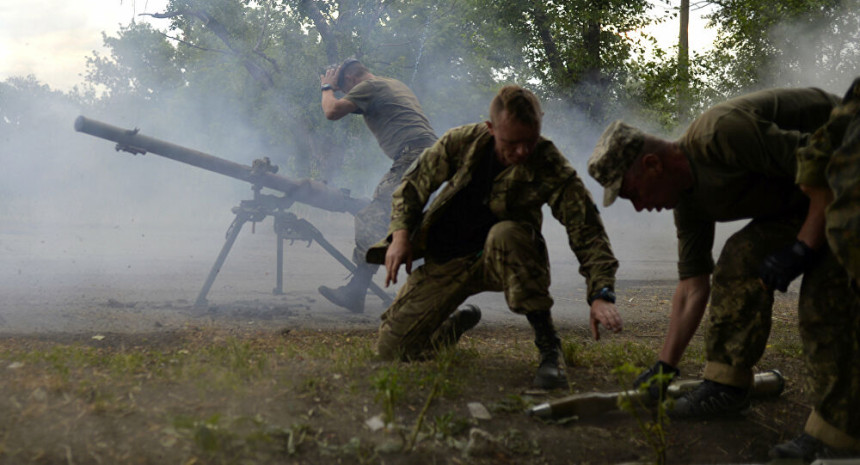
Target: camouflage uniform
[[742, 156], [394, 116], [831, 336], [371, 222], [514, 258], [833, 158]]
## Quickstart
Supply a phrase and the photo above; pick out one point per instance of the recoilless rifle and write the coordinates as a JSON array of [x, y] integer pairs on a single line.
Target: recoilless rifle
[[261, 174]]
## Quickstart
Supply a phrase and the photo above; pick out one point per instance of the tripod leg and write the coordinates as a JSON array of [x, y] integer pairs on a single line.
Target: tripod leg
[[312, 231], [279, 275], [232, 234]]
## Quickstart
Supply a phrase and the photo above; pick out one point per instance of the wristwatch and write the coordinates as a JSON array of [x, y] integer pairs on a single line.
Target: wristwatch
[[605, 293], [326, 87]]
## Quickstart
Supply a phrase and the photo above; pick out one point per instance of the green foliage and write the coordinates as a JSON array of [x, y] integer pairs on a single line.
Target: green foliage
[[225, 439], [244, 75], [389, 387], [653, 431], [579, 352], [790, 43], [449, 425], [260, 61]]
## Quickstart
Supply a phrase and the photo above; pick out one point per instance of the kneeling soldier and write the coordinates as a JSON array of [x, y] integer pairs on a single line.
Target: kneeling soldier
[[482, 233]]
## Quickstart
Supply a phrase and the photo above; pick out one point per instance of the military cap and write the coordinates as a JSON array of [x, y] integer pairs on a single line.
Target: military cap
[[613, 155], [341, 69]]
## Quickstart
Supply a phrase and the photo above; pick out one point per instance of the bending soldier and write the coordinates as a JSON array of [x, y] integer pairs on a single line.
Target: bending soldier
[[395, 117], [735, 161], [482, 233]]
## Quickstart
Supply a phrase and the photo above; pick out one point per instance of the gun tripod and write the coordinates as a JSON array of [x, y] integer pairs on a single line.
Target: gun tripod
[[287, 227]]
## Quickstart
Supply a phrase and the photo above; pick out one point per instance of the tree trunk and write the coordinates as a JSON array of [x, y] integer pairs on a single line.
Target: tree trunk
[[591, 83], [683, 89]]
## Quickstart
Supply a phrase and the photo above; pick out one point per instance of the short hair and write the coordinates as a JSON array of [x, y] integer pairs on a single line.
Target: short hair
[[521, 104], [350, 68]]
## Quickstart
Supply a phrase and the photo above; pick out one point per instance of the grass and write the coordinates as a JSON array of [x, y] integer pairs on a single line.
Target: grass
[[219, 397]]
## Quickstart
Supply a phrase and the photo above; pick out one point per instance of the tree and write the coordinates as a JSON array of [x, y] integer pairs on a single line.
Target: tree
[[759, 43], [261, 60], [576, 51]]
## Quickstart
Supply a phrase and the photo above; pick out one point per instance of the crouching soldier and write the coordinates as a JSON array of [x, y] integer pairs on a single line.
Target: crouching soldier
[[482, 233], [736, 161]]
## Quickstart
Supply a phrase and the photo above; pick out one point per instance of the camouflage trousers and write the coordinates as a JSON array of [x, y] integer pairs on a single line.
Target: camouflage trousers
[[829, 320], [829, 316], [371, 223], [740, 309], [836, 374], [514, 261]]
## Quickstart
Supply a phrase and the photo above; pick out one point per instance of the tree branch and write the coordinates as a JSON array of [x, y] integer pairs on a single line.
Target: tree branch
[[315, 14], [256, 71], [553, 56], [189, 44]]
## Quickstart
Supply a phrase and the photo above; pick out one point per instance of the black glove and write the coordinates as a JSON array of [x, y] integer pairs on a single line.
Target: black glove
[[657, 387], [780, 268]]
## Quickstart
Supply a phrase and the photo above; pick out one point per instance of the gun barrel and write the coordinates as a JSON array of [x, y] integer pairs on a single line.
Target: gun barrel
[[313, 193]]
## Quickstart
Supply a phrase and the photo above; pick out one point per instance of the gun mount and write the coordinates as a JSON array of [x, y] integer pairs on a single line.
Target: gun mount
[[261, 174]]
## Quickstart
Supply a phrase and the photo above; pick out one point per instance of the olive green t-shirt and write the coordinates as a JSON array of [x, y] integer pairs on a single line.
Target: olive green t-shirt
[[742, 155], [393, 114]]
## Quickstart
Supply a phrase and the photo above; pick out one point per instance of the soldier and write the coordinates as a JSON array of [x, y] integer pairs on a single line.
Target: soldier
[[736, 161], [395, 117], [482, 233], [829, 169]]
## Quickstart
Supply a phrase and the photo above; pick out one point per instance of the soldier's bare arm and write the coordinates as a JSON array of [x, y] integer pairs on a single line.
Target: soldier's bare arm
[[333, 107], [688, 306], [398, 253], [812, 231]]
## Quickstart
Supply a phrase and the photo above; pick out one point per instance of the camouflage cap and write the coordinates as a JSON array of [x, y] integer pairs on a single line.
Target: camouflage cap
[[614, 153]]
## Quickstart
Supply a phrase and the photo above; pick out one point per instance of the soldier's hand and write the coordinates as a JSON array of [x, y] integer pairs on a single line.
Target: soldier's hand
[[398, 253], [657, 379], [604, 313], [780, 268], [330, 78]]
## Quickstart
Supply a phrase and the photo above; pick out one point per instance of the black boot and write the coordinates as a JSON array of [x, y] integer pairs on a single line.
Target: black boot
[[453, 328], [809, 448], [550, 373], [711, 399], [352, 295]]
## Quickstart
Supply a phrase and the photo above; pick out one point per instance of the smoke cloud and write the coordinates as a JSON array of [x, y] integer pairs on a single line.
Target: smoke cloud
[[106, 213]]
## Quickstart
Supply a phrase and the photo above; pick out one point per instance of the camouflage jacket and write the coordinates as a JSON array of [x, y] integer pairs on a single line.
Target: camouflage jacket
[[813, 158], [832, 159], [518, 194]]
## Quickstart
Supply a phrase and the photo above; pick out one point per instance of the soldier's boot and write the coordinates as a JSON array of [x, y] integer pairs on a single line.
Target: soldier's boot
[[808, 448], [351, 296], [453, 328], [550, 373], [711, 399]]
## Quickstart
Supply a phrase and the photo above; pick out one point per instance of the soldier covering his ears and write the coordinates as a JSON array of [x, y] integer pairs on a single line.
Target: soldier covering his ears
[[395, 117]]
